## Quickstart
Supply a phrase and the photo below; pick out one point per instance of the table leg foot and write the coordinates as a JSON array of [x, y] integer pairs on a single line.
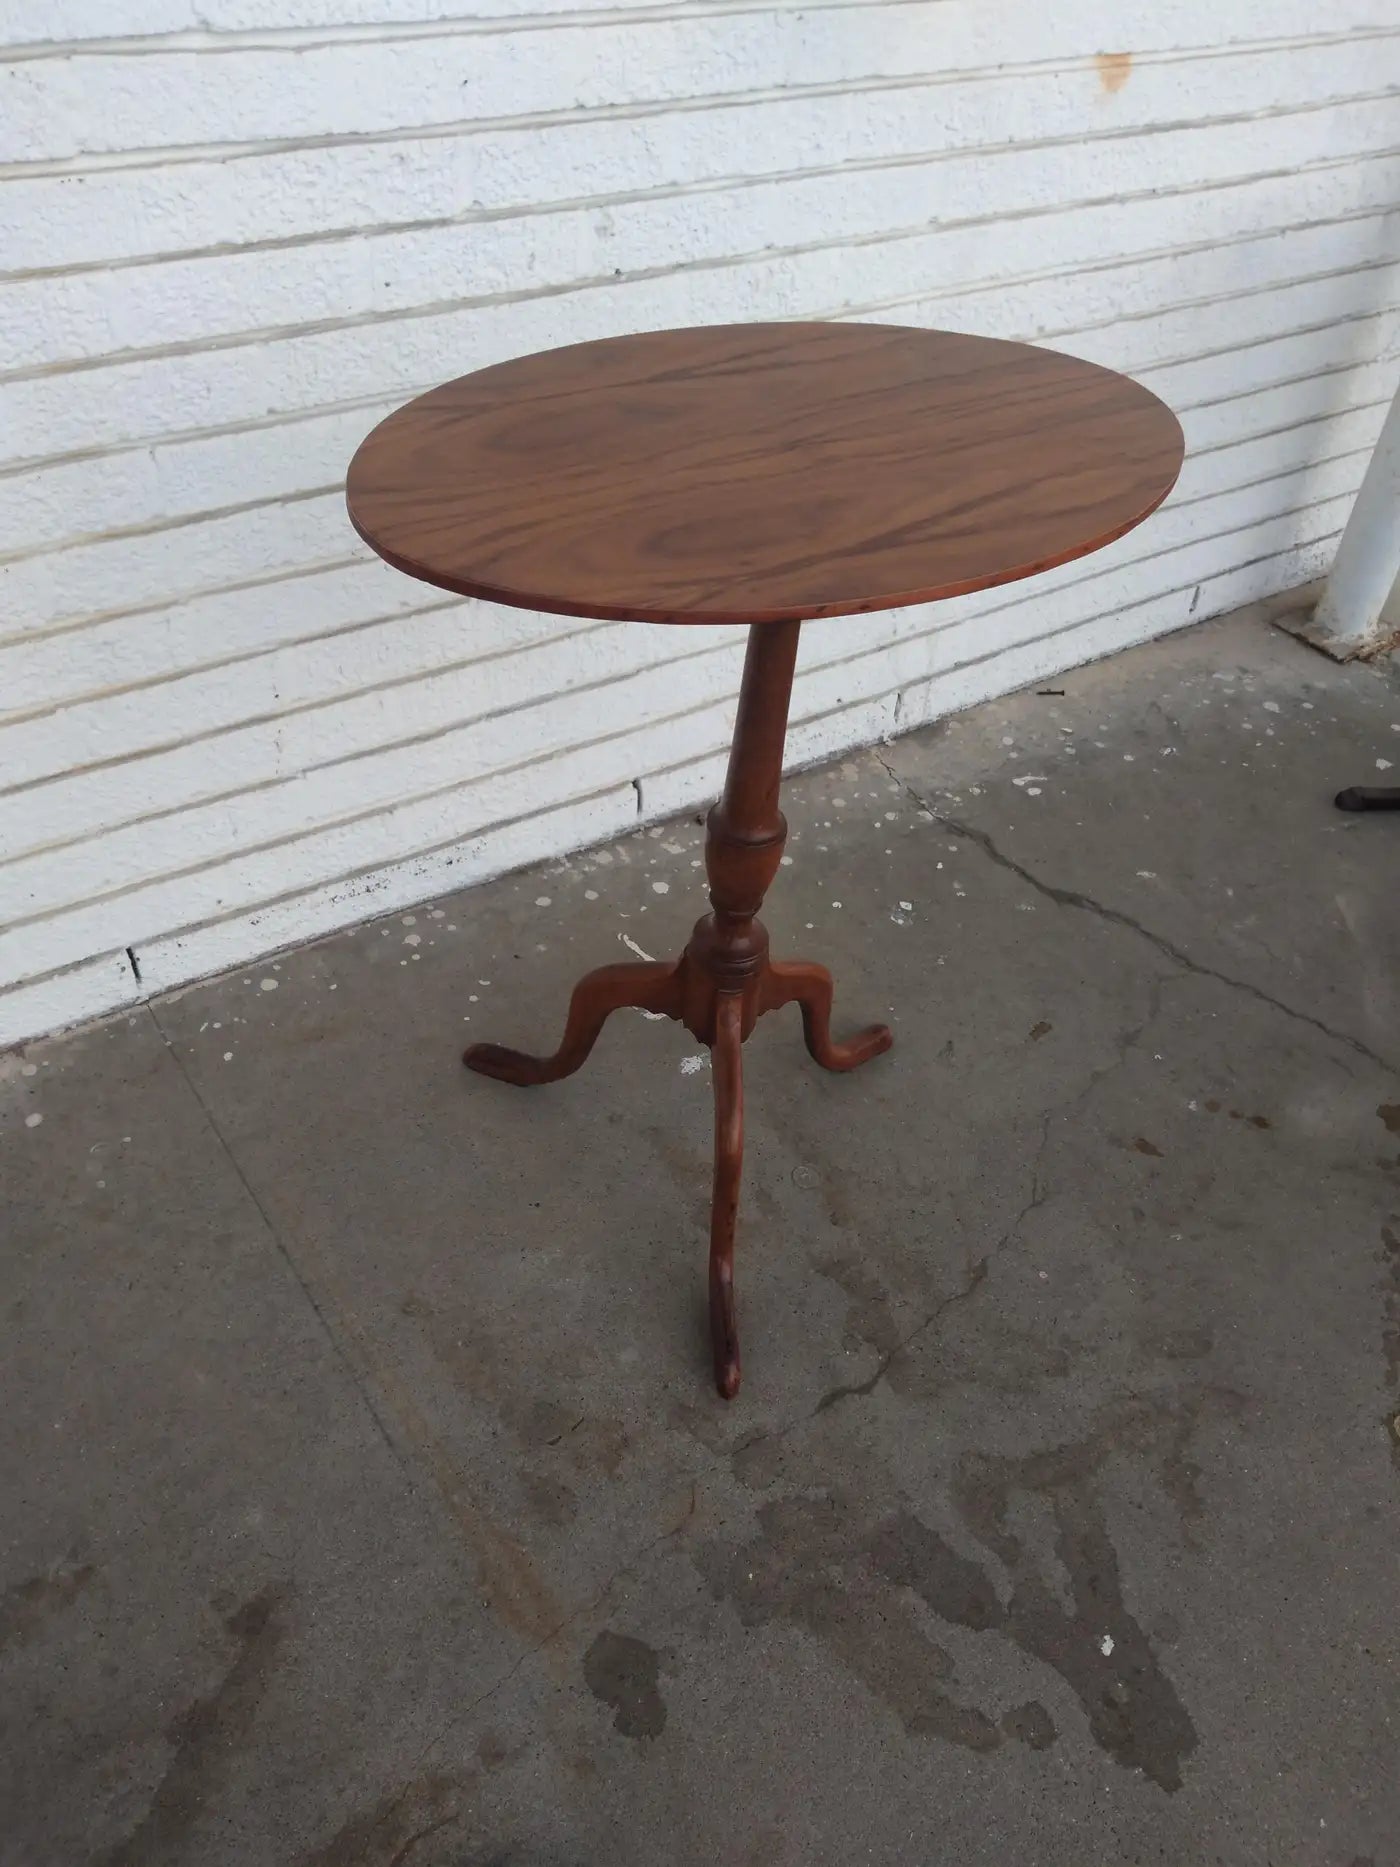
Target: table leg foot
[[804, 983], [654, 986], [727, 1056]]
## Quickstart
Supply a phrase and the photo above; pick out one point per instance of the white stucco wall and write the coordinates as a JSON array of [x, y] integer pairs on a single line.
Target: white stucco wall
[[237, 232]]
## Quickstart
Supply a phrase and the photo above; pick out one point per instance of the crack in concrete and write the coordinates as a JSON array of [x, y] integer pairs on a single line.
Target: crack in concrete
[[834, 1395], [977, 1274], [1073, 898]]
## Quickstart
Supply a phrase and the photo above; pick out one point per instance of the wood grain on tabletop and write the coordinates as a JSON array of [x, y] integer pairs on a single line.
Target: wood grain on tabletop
[[761, 472]]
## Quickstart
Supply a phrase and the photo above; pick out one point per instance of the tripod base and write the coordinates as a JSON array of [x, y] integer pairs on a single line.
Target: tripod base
[[720, 1010]]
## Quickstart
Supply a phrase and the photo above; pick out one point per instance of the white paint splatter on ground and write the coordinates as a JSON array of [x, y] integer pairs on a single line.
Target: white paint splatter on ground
[[34, 1120], [269, 985], [689, 1065], [632, 946], [1106, 1645], [661, 888], [543, 901], [413, 939]]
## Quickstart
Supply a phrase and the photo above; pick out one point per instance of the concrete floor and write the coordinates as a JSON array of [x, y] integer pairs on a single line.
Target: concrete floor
[[363, 1498]]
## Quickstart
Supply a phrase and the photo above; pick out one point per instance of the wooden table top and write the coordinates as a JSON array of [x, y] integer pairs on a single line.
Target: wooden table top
[[761, 472]]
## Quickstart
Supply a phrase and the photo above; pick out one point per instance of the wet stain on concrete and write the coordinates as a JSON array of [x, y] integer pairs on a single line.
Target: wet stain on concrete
[[622, 1672], [1031, 1724], [1389, 1113], [28, 1606], [822, 1563], [208, 1735], [1037, 1031], [1143, 1146], [1250, 1121], [389, 1831], [812, 1565], [1096, 1644]]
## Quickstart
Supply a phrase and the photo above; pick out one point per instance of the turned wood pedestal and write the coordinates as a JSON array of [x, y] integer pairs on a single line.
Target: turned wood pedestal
[[760, 475], [725, 979]]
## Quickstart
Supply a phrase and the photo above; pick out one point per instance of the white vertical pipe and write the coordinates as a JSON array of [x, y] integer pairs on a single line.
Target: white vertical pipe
[[1360, 607]]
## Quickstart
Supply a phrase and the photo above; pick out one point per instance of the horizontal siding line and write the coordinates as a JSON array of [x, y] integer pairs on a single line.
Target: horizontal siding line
[[26, 716], [212, 514], [1282, 382], [390, 32], [303, 39], [608, 738], [70, 625], [149, 528], [1252, 291], [1282, 473], [176, 155], [615, 281], [1118, 609], [526, 705], [1288, 427], [181, 437], [733, 184], [11, 988], [1154, 311], [387, 32]]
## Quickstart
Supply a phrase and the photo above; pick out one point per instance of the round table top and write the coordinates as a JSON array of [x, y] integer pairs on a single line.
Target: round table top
[[761, 472]]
